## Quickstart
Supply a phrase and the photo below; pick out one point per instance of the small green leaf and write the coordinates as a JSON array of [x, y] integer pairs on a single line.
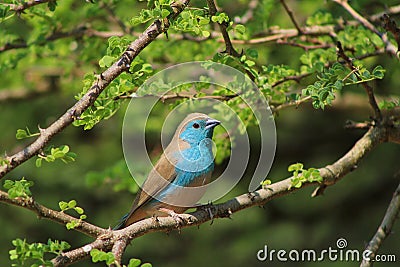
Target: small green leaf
[[134, 263], [164, 13], [38, 162], [21, 134], [79, 210], [72, 224], [19, 188], [72, 204], [295, 167], [205, 33], [106, 61], [266, 182], [240, 28], [378, 72], [63, 205]]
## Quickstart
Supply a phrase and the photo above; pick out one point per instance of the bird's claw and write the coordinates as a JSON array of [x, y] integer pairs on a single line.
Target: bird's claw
[[207, 207], [177, 217]]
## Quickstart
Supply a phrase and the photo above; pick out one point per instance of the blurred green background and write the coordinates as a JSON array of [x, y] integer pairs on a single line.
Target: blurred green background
[[351, 209]]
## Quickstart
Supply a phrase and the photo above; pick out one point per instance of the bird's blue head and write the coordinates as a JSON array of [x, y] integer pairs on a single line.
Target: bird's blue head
[[197, 129]]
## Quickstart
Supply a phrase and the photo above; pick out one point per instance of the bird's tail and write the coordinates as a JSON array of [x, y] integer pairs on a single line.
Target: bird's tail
[[122, 222]]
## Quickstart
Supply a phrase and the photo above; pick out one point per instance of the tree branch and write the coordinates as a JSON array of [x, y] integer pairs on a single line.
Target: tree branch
[[331, 174], [393, 10], [19, 8], [98, 86], [56, 216], [384, 228]]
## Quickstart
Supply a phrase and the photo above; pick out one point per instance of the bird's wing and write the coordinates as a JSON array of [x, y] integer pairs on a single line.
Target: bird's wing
[[159, 177]]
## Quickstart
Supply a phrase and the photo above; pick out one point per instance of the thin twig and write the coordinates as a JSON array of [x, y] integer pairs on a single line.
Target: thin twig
[[295, 103], [19, 8], [296, 78], [345, 4], [223, 26], [384, 228], [114, 18], [389, 47], [368, 89], [393, 10], [303, 46], [291, 15], [249, 14], [75, 33]]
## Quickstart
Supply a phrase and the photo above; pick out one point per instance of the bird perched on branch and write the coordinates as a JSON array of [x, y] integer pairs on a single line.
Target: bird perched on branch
[[176, 181]]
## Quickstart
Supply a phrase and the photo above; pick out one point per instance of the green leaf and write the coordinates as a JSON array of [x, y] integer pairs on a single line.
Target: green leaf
[[52, 5], [205, 33], [38, 162], [79, 210], [34, 254], [72, 224], [63, 205], [22, 134], [72, 204], [378, 72], [295, 167], [164, 13], [240, 28], [106, 61], [98, 255], [19, 188], [134, 263], [266, 182]]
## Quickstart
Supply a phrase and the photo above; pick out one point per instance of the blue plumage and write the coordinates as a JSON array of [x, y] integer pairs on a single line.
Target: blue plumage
[[175, 183]]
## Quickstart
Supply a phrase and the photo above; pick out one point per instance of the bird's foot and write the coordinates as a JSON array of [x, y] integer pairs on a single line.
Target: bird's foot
[[207, 207], [177, 217]]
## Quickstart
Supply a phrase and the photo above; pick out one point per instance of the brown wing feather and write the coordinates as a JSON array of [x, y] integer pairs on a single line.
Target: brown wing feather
[[159, 177]]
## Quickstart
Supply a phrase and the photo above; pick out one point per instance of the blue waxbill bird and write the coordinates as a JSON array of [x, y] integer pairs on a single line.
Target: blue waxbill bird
[[175, 183]]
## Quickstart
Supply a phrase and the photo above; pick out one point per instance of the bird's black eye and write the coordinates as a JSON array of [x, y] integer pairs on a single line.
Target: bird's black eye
[[196, 125]]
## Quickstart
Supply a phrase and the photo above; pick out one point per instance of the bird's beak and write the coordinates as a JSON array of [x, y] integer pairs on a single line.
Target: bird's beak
[[211, 123]]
